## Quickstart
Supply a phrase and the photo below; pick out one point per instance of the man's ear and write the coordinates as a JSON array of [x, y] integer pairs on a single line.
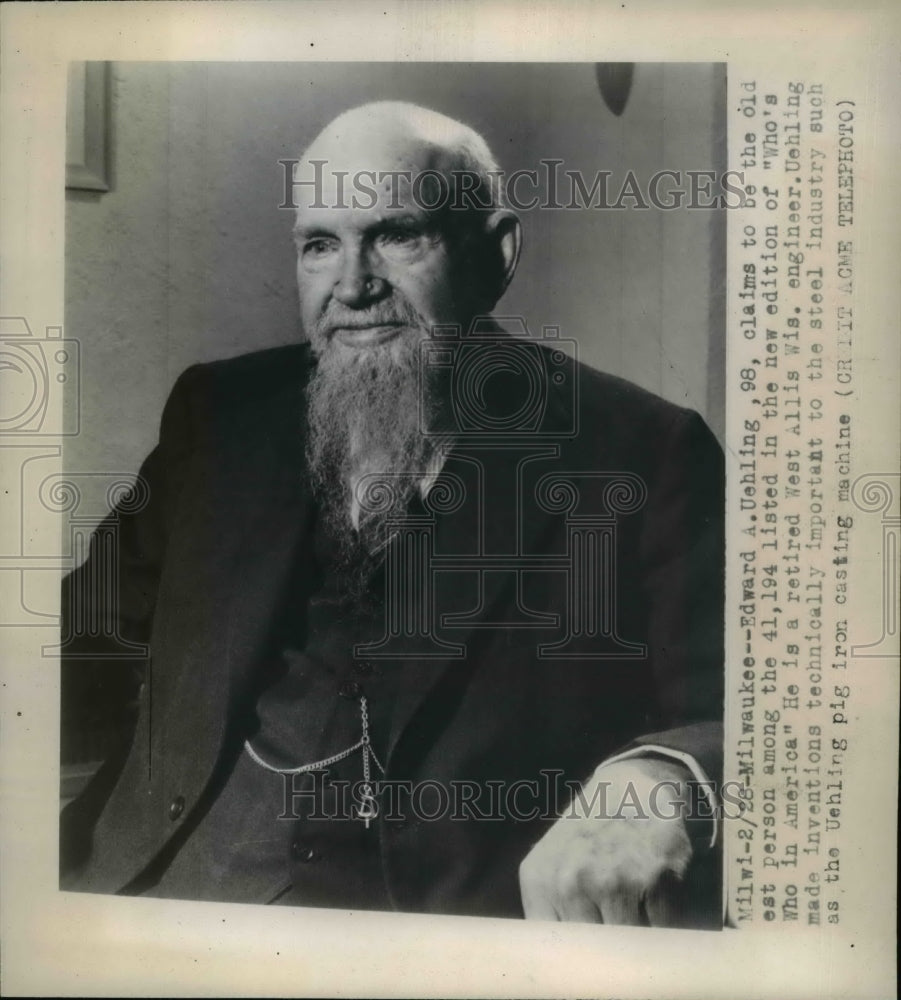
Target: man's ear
[[503, 232]]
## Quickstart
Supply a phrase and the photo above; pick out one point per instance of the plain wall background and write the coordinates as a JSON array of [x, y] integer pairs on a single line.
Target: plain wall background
[[188, 258]]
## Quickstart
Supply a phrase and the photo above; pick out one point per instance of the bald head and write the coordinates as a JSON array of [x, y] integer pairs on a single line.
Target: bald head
[[403, 141]]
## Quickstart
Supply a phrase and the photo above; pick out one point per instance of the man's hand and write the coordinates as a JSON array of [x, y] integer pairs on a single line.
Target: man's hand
[[614, 857]]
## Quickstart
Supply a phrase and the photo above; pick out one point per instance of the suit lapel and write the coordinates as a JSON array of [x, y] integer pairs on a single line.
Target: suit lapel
[[252, 529], [509, 469], [274, 523], [498, 479]]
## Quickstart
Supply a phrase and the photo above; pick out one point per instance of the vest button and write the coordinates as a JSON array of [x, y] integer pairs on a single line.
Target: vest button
[[300, 852], [350, 690], [176, 807]]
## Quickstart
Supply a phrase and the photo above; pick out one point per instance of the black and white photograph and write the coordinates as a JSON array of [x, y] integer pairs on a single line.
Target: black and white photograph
[[417, 602]]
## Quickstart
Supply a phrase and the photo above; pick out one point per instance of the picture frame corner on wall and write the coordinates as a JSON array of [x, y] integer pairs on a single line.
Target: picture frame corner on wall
[[88, 126]]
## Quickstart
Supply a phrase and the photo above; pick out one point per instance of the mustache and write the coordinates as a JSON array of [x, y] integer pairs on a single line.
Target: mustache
[[338, 317]]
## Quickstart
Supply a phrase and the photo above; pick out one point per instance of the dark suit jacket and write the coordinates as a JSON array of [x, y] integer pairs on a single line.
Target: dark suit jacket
[[203, 567]]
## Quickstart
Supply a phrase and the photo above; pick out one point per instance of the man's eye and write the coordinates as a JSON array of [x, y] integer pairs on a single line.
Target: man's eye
[[318, 248], [399, 238]]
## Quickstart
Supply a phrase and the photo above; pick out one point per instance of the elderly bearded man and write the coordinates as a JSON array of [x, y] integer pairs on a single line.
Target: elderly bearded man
[[264, 567]]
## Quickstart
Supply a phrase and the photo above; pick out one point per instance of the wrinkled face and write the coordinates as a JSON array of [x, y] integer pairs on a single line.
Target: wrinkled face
[[383, 270]]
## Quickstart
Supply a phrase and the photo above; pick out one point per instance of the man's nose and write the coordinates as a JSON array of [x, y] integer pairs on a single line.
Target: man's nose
[[358, 282]]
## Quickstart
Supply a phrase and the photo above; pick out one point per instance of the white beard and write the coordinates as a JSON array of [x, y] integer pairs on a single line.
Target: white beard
[[366, 450]]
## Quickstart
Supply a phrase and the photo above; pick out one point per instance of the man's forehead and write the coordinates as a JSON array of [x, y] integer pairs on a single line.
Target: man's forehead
[[330, 218], [320, 183], [326, 193]]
